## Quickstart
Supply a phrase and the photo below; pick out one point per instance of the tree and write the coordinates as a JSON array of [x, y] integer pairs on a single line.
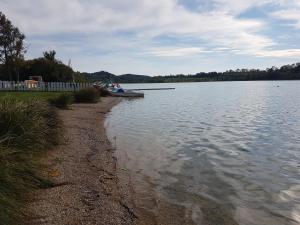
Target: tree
[[11, 46], [51, 71], [50, 55]]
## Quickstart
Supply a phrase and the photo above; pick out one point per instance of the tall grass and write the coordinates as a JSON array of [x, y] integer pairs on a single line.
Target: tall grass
[[26, 129], [62, 101], [87, 95]]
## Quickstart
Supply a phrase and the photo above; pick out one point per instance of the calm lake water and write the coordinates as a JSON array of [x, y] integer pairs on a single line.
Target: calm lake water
[[215, 153]]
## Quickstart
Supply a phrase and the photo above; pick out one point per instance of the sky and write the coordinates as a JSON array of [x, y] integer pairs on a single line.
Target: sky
[[160, 37]]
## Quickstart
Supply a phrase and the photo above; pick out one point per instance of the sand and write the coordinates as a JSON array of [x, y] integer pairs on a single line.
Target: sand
[[84, 171]]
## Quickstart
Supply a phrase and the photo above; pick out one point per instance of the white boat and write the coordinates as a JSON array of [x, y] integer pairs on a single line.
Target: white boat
[[116, 90]]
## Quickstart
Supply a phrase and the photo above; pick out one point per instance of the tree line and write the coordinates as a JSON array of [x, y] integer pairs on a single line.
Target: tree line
[[286, 72]]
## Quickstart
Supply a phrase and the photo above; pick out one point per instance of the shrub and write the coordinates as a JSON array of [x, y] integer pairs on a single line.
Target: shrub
[[26, 129], [62, 101], [27, 124], [103, 92], [87, 95]]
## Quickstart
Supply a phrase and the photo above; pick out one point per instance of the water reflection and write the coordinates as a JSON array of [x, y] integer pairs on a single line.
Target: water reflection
[[218, 152]]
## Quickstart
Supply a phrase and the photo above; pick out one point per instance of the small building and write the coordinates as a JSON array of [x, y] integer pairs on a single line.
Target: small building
[[36, 78], [31, 83]]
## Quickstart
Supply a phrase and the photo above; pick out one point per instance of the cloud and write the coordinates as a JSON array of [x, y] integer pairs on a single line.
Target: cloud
[[146, 18], [289, 11], [177, 52], [286, 53], [292, 15], [134, 26]]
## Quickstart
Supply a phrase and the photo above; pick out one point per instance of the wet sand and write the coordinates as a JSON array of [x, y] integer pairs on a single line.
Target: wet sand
[[84, 170]]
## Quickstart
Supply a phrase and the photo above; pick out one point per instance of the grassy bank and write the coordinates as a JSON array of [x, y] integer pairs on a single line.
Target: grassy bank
[[87, 95], [27, 128], [29, 96], [29, 125]]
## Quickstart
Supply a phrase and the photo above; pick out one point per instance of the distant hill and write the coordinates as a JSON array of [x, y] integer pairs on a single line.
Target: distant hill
[[125, 78], [133, 78], [286, 72], [101, 76]]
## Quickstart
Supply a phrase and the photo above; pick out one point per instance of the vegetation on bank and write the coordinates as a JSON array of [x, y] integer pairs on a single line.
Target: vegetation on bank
[[29, 96], [62, 101], [87, 95], [27, 128], [29, 125], [59, 99]]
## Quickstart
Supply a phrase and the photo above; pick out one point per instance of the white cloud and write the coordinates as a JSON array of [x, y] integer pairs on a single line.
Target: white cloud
[[102, 24], [146, 18], [286, 53], [177, 52]]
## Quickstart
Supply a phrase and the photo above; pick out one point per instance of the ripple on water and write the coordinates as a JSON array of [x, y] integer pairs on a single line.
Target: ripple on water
[[231, 149]]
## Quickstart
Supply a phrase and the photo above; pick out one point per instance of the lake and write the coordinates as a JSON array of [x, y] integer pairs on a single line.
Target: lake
[[212, 153]]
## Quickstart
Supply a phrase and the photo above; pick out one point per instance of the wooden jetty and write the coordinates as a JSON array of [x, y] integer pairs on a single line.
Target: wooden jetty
[[151, 89]]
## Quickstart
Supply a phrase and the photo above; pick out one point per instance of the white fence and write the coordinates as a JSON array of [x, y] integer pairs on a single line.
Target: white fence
[[42, 86]]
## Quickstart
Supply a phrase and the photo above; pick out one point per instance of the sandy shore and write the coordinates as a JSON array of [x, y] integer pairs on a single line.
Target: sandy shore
[[84, 169]]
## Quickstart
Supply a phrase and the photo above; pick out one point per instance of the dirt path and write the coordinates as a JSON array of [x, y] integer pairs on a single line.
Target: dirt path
[[84, 170]]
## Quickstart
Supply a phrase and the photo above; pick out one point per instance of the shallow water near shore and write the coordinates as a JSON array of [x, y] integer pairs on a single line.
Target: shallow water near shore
[[212, 153]]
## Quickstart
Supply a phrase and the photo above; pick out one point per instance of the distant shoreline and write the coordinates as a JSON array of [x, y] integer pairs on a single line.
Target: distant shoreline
[[286, 72], [211, 81]]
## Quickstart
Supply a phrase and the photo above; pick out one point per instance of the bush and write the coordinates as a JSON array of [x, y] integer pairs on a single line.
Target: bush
[[103, 92], [87, 95], [27, 124], [62, 101], [26, 129]]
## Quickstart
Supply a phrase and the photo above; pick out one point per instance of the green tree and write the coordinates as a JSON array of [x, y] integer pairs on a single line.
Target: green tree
[[11, 46], [51, 71], [50, 55]]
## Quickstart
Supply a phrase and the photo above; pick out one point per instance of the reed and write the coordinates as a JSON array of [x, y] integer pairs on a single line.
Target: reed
[[26, 130]]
